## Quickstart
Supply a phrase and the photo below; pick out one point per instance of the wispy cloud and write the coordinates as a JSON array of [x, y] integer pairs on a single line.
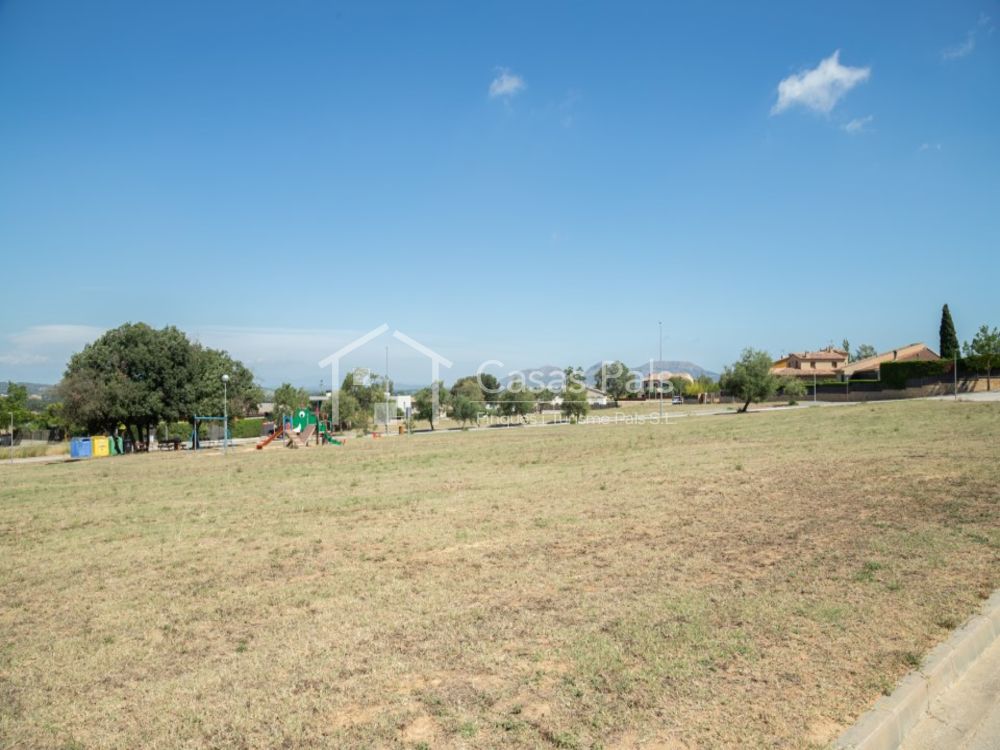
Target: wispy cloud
[[965, 48], [820, 88], [929, 147], [21, 359], [46, 344], [506, 84], [55, 335], [859, 125]]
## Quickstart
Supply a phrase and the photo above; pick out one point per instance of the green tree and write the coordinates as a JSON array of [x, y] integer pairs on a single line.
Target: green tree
[[864, 352], [15, 404], [750, 378], [288, 399], [132, 375], [984, 351], [138, 376], [349, 412], [491, 387], [469, 389], [574, 402], [947, 336], [207, 368], [423, 403], [678, 384], [573, 374], [615, 379], [516, 402], [366, 394], [793, 388], [845, 345], [465, 408]]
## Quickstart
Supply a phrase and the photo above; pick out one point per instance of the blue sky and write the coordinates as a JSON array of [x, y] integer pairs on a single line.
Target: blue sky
[[534, 183]]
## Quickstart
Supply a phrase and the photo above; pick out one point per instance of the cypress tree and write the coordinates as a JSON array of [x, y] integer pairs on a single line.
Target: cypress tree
[[949, 339]]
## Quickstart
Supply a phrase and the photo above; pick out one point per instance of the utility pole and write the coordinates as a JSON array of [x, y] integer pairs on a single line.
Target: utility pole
[[12, 437], [660, 364], [954, 369], [225, 413]]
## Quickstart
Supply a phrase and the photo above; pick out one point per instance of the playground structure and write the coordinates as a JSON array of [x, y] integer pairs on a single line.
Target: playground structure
[[299, 430], [196, 440]]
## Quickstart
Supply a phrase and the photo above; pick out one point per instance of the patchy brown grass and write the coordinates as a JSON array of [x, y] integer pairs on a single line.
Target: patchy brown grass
[[731, 581]]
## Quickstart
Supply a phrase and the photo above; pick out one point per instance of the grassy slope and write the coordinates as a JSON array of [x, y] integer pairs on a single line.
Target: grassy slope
[[750, 581]]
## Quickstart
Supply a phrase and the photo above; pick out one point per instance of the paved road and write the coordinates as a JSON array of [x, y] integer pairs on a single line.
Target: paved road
[[967, 716]]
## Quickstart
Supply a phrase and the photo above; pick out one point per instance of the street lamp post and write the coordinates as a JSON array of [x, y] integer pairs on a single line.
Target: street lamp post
[[12, 437], [954, 371], [225, 413]]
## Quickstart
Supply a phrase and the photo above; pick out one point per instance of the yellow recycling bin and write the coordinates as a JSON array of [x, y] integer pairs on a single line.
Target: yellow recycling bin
[[99, 446]]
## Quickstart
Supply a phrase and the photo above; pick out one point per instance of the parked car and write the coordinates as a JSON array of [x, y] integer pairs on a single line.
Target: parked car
[[677, 400]]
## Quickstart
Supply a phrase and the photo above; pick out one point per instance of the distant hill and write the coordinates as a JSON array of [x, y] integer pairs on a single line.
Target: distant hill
[[34, 389], [673, 365]]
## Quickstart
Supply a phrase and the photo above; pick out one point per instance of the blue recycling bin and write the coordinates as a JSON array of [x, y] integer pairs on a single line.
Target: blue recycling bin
[[79, 447]]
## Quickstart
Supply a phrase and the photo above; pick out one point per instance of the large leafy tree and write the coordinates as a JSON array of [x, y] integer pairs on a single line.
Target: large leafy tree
[[133, 375], [947, 336], [136, 376], [208, 367], [750, 378], [615, 379], [984, 351]]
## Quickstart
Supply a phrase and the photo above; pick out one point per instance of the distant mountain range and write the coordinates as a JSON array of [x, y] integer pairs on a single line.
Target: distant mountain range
[[673, 365]]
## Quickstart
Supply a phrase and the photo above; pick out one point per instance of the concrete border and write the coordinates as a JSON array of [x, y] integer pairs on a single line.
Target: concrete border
[[886, 724]]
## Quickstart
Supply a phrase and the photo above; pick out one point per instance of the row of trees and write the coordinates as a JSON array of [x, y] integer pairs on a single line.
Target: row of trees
[[982, 353]]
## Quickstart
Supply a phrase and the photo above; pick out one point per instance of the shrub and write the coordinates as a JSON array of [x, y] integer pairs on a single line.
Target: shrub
[[247, 428], [895, 374]]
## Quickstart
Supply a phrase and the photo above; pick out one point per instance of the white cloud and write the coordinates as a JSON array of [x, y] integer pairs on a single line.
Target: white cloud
[[960, 50], [20, 359], [821, 88], [929, 147], [506, 84], [55, 335], [859, 125], [967, 47]]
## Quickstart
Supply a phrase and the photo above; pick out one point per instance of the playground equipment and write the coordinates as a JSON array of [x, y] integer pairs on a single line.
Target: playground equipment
[[299, 430], [196, 441]]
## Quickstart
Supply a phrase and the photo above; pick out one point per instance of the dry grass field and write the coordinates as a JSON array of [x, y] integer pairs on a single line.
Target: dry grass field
[[730, 581]]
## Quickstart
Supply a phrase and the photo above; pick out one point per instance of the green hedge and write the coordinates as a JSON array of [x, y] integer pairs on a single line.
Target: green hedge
[[895, 374], [247, 428]]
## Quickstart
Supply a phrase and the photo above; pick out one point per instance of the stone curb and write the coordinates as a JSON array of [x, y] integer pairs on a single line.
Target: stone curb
[[885, 726]]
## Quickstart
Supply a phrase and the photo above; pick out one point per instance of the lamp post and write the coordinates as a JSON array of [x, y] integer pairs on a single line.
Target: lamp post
[[12, 437], [954, 371], [659, 363], [225, 413]]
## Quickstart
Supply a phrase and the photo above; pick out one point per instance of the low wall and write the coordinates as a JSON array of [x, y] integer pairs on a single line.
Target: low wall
[[872, 392]]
